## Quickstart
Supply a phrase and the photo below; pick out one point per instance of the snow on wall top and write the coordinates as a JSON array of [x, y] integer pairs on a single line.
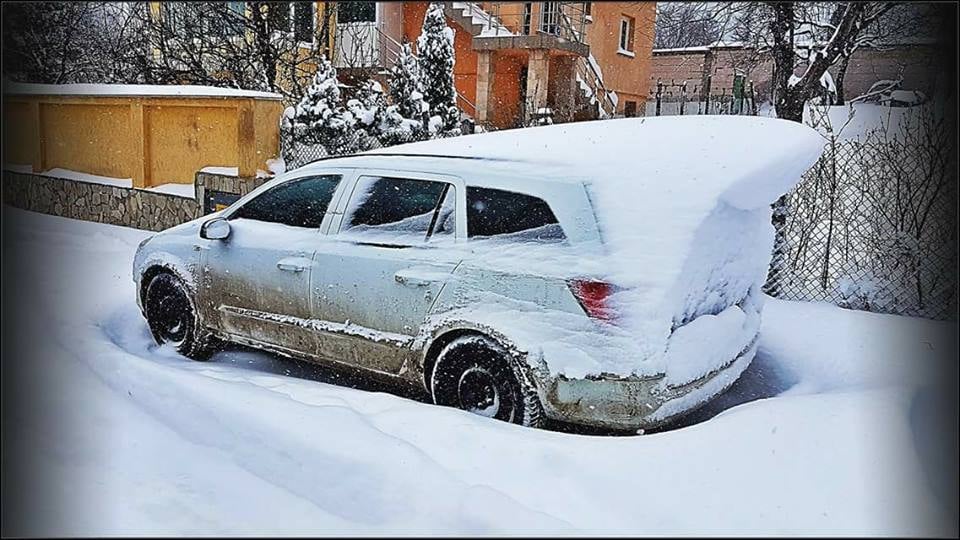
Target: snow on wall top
[[144, 90]]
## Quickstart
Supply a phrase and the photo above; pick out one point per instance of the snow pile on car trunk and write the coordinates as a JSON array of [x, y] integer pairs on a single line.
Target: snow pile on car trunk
[[683, 206]]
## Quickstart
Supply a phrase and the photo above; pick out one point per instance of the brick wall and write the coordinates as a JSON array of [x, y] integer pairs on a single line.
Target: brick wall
[[915, 64]]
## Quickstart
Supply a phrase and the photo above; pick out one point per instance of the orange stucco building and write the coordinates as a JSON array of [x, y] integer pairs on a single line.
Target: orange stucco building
[[580, 60], [514, 60]]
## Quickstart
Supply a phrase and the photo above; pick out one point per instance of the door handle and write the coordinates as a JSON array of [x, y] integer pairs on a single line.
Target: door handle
[[410, 281], [293, 264]]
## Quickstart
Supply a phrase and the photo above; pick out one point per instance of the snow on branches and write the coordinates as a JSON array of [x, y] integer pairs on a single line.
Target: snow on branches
[[320, 117], [436, 55], [406, 87], [422, 101]]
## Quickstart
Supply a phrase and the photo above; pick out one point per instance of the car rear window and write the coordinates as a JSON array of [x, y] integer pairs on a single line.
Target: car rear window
[[509, 215], [297, 203]]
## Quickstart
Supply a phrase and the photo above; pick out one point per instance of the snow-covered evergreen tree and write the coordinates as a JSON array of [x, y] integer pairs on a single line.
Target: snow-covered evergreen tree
[[320, 117], [406, 88], [436, 58]]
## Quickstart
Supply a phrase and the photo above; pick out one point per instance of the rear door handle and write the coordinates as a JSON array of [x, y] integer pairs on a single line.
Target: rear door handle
[[293, 264], [410, 280], [413, 277]]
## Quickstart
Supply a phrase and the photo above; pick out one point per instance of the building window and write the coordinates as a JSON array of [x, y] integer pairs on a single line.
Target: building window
[[295, 18], [626, 34], [302, 20], [527, 16], [230, 19], [550, 18], [630, 109], [356, 12]]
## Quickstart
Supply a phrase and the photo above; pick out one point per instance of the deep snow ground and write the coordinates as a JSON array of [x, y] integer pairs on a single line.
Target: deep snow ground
[[103, 433]]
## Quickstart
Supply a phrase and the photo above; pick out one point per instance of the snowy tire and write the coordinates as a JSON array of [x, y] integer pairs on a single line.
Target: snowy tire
[[172, 318], [475, 374]]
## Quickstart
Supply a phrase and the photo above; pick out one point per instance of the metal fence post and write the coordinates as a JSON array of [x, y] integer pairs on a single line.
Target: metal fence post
[[683, 96], [659, 95], [706, 91]]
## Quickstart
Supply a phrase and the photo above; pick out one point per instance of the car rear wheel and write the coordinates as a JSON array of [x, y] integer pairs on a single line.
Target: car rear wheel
[[475, 374], [172, 318]]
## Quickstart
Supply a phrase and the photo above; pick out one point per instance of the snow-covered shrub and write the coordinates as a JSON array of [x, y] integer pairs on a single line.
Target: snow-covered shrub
[[406, 87], [320, 117], [859, 293], [368, 110], [436, 58]]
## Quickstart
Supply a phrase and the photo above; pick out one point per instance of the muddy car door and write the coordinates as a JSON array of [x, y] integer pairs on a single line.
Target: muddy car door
[[392, 254], [257, 279]]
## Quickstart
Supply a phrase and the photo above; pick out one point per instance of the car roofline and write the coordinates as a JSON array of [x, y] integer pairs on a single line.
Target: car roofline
[[420, 155]]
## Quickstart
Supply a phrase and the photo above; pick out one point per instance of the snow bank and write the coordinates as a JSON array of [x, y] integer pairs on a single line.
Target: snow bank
[[141, 90], [117, 437], [856, 120]]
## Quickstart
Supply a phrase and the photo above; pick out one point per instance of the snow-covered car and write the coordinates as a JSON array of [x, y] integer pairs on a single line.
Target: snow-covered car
[[602, 273]]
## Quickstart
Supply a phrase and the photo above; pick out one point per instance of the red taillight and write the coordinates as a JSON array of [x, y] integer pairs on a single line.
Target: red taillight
[[593, 297]]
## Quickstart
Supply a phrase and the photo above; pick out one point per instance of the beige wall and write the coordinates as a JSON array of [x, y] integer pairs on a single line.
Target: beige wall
[[153, 140]]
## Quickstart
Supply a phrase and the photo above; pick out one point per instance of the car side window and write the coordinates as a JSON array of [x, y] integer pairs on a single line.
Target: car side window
[[496, 213], [297, 203], [400, 211]]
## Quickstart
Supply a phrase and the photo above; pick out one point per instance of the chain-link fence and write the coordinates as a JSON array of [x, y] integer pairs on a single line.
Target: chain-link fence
[[299, 149], [873, 226]]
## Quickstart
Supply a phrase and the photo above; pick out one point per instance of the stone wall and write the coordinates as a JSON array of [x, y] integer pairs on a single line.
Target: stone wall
[[129, 207], [228, 184]]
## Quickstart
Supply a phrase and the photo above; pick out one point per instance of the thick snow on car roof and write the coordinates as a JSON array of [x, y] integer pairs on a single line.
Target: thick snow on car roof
[[711, 154], [682, 203]]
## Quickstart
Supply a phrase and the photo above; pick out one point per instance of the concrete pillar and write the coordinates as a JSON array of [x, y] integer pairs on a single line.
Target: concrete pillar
[[538, 79], [37, 136], [485, 76], [563, 87], [139, 130], [246, 140]]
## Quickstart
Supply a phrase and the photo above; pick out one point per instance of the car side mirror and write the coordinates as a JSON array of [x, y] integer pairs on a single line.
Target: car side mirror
[[215, 229]]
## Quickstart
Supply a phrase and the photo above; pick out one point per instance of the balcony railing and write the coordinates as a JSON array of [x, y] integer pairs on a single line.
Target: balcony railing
[[563, 20]]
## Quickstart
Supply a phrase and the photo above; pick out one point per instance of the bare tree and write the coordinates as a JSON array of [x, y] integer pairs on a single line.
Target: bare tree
[[70, 42], [270, 46], [804, 39], [685, 24]]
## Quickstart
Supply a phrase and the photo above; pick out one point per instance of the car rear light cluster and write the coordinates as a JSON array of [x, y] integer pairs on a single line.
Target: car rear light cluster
[[594, 298]]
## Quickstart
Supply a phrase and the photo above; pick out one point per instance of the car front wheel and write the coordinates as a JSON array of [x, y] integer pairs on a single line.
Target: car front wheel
[[474, 373], [172, 318]]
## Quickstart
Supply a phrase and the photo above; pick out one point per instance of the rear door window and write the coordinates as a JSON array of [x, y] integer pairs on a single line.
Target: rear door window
[[506, 215], [297, 203], [400, 211]]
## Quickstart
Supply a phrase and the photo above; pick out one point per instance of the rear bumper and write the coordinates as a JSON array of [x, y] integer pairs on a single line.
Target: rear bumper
[[634, 403]]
